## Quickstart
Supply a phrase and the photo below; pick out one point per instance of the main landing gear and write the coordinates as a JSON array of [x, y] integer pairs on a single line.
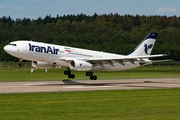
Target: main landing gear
[[89, 73], [68, 72]]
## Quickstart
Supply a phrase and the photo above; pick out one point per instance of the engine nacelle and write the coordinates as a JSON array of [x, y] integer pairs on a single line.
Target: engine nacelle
[[38, 64], [80, 65]]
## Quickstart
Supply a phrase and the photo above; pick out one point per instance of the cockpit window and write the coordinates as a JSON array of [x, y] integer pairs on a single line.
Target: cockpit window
[[12, 44]]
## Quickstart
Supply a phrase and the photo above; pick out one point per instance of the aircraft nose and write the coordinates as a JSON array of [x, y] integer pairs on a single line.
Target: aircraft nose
[[6, 48]]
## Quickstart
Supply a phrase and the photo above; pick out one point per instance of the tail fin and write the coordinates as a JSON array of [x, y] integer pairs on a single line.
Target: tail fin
[[146, 45]]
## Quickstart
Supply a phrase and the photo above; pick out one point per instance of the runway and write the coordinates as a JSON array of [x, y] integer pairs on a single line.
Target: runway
[[87, 85]]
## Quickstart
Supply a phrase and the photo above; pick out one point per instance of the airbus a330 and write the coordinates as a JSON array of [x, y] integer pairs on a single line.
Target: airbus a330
[[83, 59]]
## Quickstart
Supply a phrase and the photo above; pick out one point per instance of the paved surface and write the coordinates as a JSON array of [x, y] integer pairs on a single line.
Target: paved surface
[[82, 85]]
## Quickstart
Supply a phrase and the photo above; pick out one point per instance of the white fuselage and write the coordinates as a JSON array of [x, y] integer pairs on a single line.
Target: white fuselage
[[50, 53]]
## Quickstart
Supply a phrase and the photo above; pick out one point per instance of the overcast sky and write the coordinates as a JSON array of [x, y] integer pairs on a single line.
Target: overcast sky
[[34, 9]]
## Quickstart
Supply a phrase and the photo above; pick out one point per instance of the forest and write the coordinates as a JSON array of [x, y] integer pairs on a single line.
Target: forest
[[113, 33]]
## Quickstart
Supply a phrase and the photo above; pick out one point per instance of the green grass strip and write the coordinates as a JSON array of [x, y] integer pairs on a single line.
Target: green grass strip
[[155, 104], [24, 74]]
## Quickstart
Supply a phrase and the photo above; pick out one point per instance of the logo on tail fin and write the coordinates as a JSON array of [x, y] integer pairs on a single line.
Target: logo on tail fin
[[147, 47]]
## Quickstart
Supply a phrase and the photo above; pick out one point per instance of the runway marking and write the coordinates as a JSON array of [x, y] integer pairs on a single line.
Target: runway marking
[[33, 84]]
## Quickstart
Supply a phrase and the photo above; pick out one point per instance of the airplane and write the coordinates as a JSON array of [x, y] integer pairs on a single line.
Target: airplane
[[83, 59]]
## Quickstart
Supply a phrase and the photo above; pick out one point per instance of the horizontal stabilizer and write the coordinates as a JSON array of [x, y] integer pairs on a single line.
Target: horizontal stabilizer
[[167, 60]]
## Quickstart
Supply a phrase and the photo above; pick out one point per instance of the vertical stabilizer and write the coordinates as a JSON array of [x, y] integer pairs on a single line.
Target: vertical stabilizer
[[146, 45]]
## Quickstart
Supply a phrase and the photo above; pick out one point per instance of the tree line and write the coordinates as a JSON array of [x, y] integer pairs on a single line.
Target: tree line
[[107, 32]]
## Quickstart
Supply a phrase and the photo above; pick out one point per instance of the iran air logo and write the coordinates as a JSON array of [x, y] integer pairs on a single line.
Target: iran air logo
[[147, 47], [43, 49]]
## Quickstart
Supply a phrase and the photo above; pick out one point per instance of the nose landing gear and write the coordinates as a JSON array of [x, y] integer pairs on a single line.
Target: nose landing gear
[[21, 64]]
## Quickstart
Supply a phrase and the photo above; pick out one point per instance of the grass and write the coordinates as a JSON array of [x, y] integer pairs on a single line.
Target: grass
[[24, 74], [153, 104]]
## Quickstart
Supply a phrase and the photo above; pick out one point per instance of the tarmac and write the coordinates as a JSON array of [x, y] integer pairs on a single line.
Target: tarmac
[[88, 85]]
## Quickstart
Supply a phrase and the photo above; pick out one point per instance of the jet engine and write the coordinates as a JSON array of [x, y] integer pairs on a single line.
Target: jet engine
[[80, 65], [38, 64]]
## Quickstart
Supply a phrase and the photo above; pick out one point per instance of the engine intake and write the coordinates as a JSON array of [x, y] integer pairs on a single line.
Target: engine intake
[[80, 65]]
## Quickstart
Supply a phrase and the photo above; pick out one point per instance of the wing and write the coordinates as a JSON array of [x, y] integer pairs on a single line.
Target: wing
[[100, 61]]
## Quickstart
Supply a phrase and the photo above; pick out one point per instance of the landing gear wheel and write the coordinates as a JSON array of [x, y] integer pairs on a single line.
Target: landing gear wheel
[[67, 72], [90, 73], [93, 77], [71, 76]]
